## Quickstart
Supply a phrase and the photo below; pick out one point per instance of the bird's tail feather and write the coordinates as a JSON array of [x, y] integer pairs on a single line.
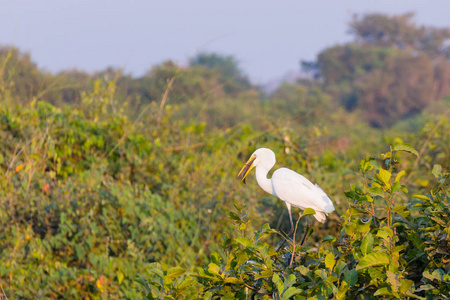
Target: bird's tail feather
[[320, 216]]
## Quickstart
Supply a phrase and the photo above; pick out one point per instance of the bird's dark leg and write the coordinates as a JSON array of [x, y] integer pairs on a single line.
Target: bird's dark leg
[[306, 231], [292, 227]]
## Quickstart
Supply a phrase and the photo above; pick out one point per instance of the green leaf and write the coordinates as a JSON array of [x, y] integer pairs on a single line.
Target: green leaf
[[421, 197], [332, 279], [352, 195], [175, 272], [289, 281], [383, 292], [321, 273], [120, 277], [187, 282], [383, 234], [350, 228], [406, 148], [143, 283], [373, 259], [384, 176], [351, 276], [290, 292], [232, 280], [303, 270], [375, 273], [401, 210], [399, 175], [343, 288], [406, 284], [234, 216], [436, 275], [264, 274], [388, 231], [437, 169], [365, 164], [208, 295], [243, 241], [241, 257], [309, 211], [215, 257], [339, 267], [328, 238], [367, 244], [330, 261], [278, 283], [395, 187], [425, 287], [363, 227], [376, 191], [213, 269]]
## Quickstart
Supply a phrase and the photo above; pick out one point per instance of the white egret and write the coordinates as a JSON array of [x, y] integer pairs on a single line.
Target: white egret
[[289, 186]]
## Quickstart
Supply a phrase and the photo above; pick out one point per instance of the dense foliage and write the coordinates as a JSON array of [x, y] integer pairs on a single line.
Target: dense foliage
[[119, 187]]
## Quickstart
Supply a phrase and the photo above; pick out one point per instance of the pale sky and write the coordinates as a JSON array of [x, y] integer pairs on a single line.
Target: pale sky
[[267, 37]]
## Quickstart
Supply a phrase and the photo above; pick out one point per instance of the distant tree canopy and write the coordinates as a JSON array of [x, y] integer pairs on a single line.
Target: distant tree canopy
[[207, 74], [391, 70], [28, 79], [227, 67], [400, 32]]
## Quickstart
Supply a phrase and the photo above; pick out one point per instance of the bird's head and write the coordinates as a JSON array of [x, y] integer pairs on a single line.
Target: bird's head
[[260, 156]]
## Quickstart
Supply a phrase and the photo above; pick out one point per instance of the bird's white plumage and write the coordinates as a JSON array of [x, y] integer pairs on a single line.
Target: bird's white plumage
[[288, 185], [298, 191]]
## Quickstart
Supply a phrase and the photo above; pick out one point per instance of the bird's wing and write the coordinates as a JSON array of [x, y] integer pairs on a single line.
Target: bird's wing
[[299, 191]]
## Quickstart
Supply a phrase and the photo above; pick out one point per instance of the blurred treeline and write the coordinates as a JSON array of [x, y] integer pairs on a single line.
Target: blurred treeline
[[105, 173], [391, 70]]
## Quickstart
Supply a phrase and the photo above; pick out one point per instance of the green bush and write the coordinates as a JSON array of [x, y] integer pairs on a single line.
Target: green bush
[[387, 247]]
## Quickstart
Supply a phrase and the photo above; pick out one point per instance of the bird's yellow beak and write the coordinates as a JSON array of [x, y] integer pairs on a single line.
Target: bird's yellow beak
[[246, 169]]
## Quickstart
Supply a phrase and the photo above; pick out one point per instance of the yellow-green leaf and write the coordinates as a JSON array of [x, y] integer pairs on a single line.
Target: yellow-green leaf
[[213, 269], [367, 244], [309, 211], [384, 176], [329, 261], [233, 280], [406, 148], [399, 175], [176, 272], [382, 292], [437, 169], [373, 259], [406, 284], [120, 277], [421, 197]]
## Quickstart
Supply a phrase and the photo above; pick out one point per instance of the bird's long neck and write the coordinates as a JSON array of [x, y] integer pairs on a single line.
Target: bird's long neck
[[261, 177]]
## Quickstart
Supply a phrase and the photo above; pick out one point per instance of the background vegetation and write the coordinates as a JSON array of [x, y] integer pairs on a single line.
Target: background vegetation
[[107, 179]]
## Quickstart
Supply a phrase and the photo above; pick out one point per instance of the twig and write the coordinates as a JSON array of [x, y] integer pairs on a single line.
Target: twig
[[3, 295], [250, 287], [13, 159], [164, 98], [293, 242]]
